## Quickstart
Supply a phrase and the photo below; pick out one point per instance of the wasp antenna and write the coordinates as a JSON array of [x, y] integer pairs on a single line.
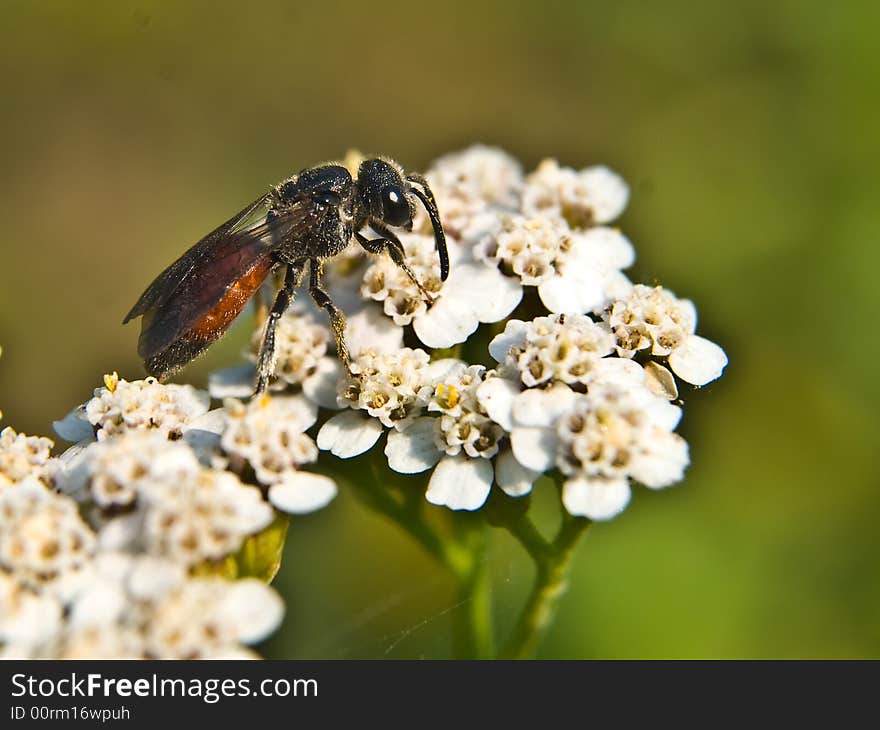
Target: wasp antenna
[[427, 198]]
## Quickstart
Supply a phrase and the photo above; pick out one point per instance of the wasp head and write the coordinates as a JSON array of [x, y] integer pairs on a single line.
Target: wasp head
[[388, 195]]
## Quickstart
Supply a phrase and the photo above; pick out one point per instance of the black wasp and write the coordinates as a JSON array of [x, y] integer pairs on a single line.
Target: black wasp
[[298, 224]]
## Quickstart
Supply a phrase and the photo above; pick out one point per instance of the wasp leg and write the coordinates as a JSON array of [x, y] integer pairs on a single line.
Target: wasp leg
[[266, 363], [391, 243], [337, 318]]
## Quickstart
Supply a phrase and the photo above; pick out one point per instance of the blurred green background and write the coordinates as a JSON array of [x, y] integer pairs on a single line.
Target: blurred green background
[[748, 133]]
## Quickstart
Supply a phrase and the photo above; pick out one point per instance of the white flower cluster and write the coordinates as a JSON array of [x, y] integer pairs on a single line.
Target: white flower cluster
[[300, 347], [592, 196], [601, 355], [65, 594], [386, 282], [269, 434], [120, 606], [470, 182], [42, 536], [507, 232], [652, 319], [584, 387], [461, 442], [553, 348], [22, 456], [152, 495], [121, 406]]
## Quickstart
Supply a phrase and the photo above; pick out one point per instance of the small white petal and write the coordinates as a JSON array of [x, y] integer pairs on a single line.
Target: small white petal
[[689, 314], [443, 325], [460, 483], [36, 621], [444, 370], [618, 371], [121, 532], [514, 334], [496, 396], [253, 608], [212, 422], [205, 444], [101, 604], [152, 578], [320, 386], [617, 286], [698, 361], [598, 499], [348, 434], [603, 248], [369, 329], [574, 292], [496, 293], [301, 492], [74, 476], [413, 450], [75, 426], [534, 448], [235, 382], [665, 464], [660, 381], [474, 293], [609, 192], [542, 408], [659, 411], [515, 479], [113, 566]]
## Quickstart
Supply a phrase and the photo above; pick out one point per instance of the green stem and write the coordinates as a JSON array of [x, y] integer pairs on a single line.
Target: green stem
[[406, 513], [457, 542], [474, 634], [551, 581]]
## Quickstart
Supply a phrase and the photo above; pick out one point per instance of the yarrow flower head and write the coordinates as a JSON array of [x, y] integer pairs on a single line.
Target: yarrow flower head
[[388, 390], [385, 282], [300, 347], [567, 349], [592, 196], [391, 388], [611, 436], [536, 356], [653, 320], [141, 404], [22, 456], [155, 496], [470, 182], [42, 536], [269, 433], [102, 568], [137, 607], [574, 271], [460, 443], [472, 427], [507, 232]]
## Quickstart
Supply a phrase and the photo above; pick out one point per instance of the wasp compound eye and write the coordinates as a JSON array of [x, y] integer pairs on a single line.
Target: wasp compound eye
[[395, 206]]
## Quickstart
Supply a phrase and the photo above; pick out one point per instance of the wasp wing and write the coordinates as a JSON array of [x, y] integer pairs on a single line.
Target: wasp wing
[[193, 302], [169, 280]]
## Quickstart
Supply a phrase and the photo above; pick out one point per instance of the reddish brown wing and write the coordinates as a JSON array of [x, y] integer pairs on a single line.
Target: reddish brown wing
[[191, 340], [193, 302], [204, 287], [172, 278]]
